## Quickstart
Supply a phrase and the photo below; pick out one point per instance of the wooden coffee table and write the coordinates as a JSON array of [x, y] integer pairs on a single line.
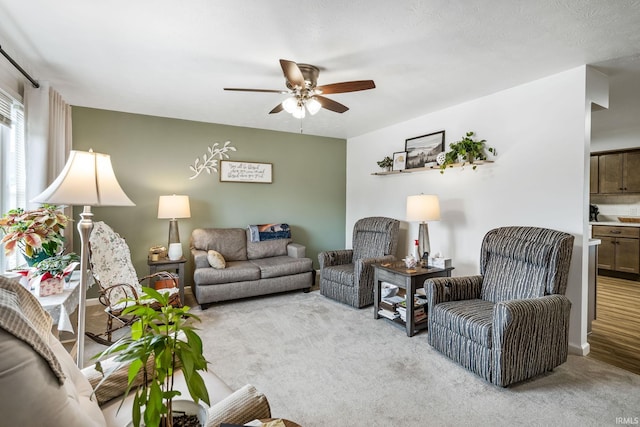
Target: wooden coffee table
[[408, 279]]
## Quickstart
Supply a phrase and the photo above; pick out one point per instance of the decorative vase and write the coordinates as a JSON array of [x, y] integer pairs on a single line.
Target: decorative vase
[[175, 251]]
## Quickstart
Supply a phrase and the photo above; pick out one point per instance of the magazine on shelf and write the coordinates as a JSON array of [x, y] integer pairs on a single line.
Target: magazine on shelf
[[388, 314]]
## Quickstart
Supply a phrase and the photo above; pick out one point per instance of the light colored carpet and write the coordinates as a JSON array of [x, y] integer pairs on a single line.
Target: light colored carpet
[[321, 363]]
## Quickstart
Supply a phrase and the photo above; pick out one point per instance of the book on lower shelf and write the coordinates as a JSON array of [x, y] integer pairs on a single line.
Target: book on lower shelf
[[388, 314], [419, 313]]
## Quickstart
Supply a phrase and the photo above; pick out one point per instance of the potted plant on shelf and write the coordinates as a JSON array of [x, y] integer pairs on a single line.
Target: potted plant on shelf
[[466, 151], [36, 233], [386, 163], [166, 337]]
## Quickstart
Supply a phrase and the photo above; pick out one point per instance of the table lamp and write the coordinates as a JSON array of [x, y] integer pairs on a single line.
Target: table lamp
[[174, 207], [87, 179], [423, 208]]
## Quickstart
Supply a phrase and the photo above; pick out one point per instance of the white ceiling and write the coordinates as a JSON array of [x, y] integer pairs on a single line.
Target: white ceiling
[[172, 58]]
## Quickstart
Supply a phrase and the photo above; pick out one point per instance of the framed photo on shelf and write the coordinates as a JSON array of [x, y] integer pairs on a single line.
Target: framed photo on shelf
[[423, 150], [399, 160]]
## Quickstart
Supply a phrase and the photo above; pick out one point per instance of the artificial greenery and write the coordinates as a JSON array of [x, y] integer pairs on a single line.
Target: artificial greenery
[[386, 163], [466, 150], [55, 265], [166, 336]]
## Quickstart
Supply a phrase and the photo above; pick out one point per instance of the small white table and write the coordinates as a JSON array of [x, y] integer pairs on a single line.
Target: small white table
[[60, 306]]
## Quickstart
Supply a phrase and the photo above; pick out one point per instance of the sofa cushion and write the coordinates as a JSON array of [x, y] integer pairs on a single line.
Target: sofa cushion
[[116, 381], [282, 266], [230, 242], [235, 271], [471, 319], [266, 248], [30, 393], [243, 406], [216, 260]]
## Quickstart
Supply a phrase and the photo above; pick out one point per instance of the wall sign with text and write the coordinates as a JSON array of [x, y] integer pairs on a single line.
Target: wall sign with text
[[246, 172]]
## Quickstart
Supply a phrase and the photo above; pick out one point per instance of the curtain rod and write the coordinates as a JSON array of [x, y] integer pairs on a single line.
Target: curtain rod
[[19, 68]]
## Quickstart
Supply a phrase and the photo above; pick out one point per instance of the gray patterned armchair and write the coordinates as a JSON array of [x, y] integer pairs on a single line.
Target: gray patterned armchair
[[511, 322], [347, 275]]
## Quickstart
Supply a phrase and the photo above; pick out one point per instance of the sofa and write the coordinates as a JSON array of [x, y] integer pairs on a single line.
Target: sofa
[[230, 264], [40, 383]]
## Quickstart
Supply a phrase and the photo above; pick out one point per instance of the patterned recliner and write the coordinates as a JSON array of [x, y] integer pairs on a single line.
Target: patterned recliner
[[347, 275], [511, 322]]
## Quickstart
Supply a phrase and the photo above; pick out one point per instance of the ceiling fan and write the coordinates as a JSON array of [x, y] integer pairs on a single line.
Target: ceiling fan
[[301, 81]]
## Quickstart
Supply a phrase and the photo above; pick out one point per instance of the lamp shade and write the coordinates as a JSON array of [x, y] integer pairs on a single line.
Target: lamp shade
[[86, 179], [423, 207], [174, 206]]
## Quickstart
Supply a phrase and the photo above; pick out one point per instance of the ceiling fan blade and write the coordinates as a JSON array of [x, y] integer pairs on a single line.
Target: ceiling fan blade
[[276, 109], [292, 73], [343, 87], [256, 90], [332, 105]]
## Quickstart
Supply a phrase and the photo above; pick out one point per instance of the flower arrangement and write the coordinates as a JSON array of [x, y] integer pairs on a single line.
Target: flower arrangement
[[34, 231]]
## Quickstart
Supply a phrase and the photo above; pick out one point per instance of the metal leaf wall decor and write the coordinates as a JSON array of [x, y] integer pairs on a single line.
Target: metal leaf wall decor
[[209, 160]]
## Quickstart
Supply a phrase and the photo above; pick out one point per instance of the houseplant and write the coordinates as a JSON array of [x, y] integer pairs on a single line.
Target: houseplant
[[47, 277], [466, 151], [386, 163], [36, 233], [166, 337]]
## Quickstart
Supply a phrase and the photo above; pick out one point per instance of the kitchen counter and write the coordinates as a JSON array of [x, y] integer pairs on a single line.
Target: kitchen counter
[[616, 223]]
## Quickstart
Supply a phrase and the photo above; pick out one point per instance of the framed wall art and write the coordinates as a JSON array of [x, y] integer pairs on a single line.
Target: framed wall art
[[423, 150], [399, 160], [246, 172]]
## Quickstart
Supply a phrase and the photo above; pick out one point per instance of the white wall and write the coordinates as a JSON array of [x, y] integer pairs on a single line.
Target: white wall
[[538, 177]]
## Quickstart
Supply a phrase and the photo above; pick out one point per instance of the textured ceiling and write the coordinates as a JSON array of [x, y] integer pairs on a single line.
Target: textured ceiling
[[172, 58]]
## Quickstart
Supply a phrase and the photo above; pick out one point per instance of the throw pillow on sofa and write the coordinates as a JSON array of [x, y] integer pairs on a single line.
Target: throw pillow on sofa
[[216, 260]]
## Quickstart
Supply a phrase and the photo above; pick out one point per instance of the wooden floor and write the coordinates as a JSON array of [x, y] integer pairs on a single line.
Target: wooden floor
[[615, 334]]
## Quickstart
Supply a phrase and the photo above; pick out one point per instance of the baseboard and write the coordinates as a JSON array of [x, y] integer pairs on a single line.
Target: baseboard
[[580, 350]]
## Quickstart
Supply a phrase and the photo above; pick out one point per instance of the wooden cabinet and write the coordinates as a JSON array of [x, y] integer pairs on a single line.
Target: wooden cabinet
[[593, 175], [620, 248], [617, 172]]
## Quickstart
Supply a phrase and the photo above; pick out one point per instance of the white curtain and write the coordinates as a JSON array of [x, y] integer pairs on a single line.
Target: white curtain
[[48, 142]]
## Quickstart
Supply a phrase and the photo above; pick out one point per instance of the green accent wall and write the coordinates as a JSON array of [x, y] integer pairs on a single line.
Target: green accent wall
[[151, 157]]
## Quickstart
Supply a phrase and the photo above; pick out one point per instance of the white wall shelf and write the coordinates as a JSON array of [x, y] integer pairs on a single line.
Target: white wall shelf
[[432, 168]]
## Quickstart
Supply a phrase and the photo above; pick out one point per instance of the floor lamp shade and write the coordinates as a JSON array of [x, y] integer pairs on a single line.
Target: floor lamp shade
[[171, 208], [87, 179], [423, 208]]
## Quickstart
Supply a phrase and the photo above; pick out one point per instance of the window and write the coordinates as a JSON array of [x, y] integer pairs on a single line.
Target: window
[[12, 164]]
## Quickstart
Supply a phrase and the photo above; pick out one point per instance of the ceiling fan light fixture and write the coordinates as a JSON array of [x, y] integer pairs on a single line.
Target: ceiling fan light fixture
[[290, 104], [298, 112], [313, 105]]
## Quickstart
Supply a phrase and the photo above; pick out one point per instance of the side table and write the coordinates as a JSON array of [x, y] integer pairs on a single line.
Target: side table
[[165, 264], [408, 279]]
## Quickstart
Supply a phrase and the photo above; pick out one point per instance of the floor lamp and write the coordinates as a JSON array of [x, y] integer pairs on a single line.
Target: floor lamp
[[423, 208], [87, 179]]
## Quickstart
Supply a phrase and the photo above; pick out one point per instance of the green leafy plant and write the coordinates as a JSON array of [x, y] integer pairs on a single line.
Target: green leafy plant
[[386, 163], [466, 151], [55, 265], [166, 336]]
